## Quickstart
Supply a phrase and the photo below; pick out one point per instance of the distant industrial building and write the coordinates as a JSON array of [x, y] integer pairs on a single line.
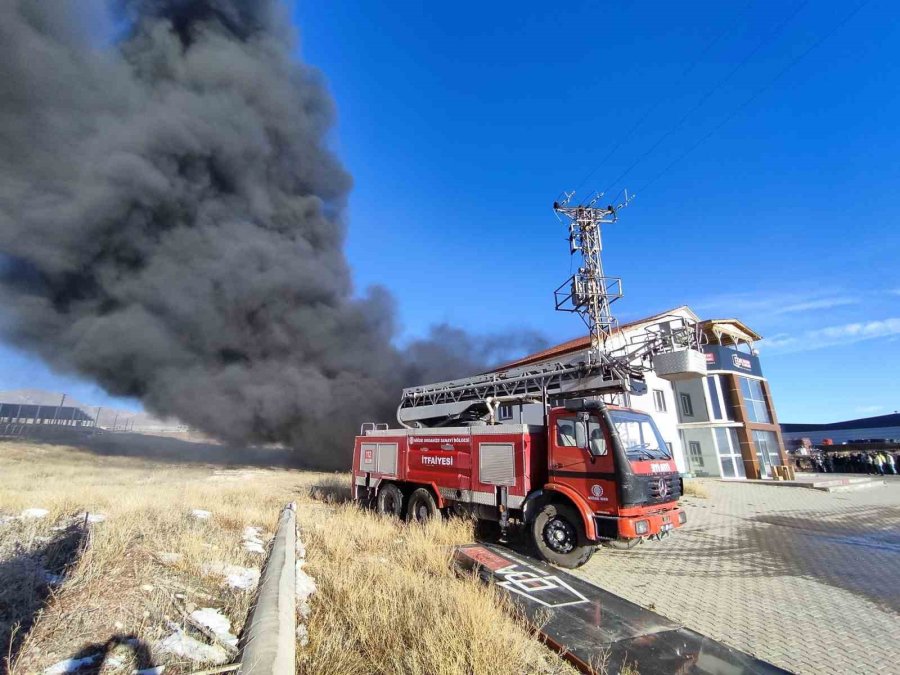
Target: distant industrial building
[[721, 425], [19, 418], [866, 429]]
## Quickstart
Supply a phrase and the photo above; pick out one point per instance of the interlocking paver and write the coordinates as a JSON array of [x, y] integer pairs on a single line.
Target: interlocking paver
[[807, 580]]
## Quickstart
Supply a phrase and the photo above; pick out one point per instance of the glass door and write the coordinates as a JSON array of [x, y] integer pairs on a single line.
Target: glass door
[[765, 468], [766, 443], [729, 449]]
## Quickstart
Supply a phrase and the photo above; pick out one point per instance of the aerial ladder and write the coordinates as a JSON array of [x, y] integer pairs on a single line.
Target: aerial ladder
[[670, 347]]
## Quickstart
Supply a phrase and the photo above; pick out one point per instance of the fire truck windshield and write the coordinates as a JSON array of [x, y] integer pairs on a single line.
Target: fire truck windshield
[[639, 435]]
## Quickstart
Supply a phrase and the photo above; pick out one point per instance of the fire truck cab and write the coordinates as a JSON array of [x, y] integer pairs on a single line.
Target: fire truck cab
[[596, 473]]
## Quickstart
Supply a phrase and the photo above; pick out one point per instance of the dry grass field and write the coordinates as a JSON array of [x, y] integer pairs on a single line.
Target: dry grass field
[[122, 596], [694, 487]]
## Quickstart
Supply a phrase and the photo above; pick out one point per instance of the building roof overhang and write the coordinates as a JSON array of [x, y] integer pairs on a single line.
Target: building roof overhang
[[725, 331]]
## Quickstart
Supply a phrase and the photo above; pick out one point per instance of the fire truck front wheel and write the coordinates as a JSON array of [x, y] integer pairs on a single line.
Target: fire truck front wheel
[[389, 500], [422, 506], [559, 536]]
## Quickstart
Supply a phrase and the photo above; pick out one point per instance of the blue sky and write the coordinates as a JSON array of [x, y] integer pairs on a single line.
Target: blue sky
[[764, 166]]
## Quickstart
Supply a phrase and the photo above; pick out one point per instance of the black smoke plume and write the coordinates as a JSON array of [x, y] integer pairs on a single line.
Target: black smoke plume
[[172, 224]]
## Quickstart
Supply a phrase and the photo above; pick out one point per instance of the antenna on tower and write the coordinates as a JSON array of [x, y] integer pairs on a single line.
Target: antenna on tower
[[588, 292]]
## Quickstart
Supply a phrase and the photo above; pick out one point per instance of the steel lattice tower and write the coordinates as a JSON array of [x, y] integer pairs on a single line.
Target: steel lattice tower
[[588, 292]]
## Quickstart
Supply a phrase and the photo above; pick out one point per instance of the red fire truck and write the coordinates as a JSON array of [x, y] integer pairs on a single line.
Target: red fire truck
[[591, 473], [601, 474]]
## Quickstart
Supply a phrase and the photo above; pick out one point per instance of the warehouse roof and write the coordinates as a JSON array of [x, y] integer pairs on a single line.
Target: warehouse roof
[[892, 420], [43, 412]]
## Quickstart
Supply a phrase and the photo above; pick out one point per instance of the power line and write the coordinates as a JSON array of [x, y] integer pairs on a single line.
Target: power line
[[622, 140], [755, 95], [764, 42]]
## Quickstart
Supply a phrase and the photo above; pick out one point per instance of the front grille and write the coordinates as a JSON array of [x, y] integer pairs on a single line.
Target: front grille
[[654, 491], [644, 489]]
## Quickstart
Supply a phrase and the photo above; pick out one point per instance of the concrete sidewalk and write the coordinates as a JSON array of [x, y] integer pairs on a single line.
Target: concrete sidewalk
[[828, 482], [807, 580]]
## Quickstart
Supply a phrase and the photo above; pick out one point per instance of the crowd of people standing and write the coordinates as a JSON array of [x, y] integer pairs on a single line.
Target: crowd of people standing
[[881, 463]]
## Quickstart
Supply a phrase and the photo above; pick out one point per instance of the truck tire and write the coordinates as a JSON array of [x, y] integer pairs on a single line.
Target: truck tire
[[389, 501], [422, 507], [559, 536]]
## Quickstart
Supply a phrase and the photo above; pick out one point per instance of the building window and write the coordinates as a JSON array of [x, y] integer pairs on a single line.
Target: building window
[[719, 400], [687, 408], [505, 412], [755, 401], [659, 400], [695, 453], [729, 450], [715, 402]]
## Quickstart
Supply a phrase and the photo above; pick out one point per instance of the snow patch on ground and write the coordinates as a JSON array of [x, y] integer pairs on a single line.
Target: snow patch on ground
[[242, 578], [91, 517], [302, 635], [184, 646], [217, 622], [34, 513], [200, 514], [251, 540], [70, 665], [306, 586]]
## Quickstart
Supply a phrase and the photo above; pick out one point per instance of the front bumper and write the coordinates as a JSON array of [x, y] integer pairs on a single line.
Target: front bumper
[[644, 525]]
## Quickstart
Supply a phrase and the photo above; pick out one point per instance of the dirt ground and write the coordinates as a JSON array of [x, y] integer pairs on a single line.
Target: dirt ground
[[114, 563]]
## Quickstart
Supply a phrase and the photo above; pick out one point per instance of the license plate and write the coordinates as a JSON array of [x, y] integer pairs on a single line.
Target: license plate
[[666, 527]]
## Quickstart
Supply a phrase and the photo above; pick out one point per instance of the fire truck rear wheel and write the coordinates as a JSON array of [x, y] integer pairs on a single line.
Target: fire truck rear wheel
[[389, 500], [559, 536], [421, 506]]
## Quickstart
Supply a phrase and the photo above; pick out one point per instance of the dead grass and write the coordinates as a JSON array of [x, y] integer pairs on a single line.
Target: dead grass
[[120, 587], [387, 600], [694, 487]]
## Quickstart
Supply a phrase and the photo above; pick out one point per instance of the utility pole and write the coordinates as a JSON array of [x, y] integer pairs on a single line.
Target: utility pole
[[588, 292], [56, 412]]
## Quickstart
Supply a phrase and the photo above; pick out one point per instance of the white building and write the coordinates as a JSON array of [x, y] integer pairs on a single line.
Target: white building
[[721, 425]]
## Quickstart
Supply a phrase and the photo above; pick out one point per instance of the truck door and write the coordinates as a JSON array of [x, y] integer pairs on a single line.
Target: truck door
[[589, 470]]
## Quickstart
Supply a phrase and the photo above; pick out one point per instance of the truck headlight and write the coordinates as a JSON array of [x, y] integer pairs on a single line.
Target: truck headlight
[[682, 517], [642, 526]]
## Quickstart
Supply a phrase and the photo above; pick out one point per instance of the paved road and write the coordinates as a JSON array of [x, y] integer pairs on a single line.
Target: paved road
[[807, 580]]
